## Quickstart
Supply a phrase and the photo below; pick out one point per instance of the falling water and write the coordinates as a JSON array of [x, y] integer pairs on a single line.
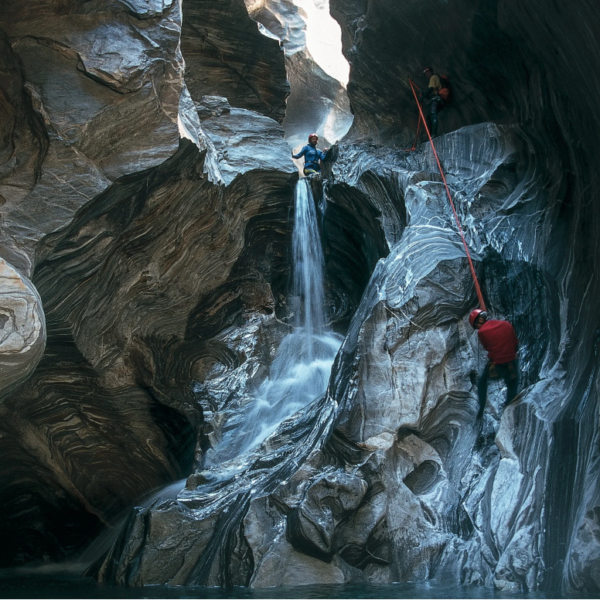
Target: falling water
[[302, 366], [308, 296]]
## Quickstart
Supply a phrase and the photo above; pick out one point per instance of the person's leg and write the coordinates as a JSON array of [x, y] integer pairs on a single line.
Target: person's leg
[[482, 387], [511, 379], [427, 113], [433, 117]]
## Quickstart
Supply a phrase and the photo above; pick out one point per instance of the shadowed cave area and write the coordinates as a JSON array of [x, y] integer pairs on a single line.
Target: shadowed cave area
[[217, 372]]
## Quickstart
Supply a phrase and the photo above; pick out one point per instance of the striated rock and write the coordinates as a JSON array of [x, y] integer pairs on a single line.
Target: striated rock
[[311, 524], [502, 68], [90, 158], [284, 21], [585, 554], [90, 93], [315, 68], [222, 514], [226, 55], [128, 325], [163, 266], [22, 328], [399, 484], [406, 367], [243, 141], [98, 98], [318, 102]]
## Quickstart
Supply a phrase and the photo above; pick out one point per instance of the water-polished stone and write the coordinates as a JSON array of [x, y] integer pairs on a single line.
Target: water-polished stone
[[162, 267], [22, 328]]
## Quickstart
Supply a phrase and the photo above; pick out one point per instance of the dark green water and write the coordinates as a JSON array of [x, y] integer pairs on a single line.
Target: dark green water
[[21, 584]]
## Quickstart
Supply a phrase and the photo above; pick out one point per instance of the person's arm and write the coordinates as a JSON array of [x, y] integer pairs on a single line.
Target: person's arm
[[322, 155], [426, 93], [301, 153], [483, 339]]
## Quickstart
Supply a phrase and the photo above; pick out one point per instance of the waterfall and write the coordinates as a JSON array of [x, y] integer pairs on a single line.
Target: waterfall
[[308, 294], [301, 368]]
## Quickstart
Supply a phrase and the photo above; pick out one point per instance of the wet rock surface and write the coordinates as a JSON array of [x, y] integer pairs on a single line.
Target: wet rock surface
[[163, 266], [99, 423], [22, 328], [402, 482], [99, 374], [317, 101]]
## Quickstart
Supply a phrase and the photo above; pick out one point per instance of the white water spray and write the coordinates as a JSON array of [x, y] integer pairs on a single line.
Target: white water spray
[[301, 369], [308, 294]]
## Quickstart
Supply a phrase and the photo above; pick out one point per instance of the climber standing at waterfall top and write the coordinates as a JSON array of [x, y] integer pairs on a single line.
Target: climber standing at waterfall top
[[435, 97], [500, 341], [312, 155]]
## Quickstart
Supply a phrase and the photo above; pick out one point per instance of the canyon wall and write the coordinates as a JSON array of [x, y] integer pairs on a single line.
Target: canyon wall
[[146, 193]]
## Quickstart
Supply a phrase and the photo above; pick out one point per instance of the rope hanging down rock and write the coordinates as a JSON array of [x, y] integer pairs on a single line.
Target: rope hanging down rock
[[460, 230]]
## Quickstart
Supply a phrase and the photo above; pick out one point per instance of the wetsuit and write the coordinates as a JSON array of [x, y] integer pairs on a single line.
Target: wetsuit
[[500, 341], [312, 155]]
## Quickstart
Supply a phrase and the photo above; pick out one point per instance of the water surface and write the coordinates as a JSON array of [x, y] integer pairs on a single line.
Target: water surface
[[35, 584]]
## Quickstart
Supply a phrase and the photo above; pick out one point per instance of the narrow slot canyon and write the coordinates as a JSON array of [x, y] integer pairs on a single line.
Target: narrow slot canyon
[[217, 371]]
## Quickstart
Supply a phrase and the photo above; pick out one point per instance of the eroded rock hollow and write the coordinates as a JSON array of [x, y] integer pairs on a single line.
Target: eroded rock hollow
[[150, 306]]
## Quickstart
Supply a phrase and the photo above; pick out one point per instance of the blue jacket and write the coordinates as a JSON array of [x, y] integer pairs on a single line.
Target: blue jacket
[[311, 157]]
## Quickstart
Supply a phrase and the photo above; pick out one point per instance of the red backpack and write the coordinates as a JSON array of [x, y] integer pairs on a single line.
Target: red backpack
[[446, 92]]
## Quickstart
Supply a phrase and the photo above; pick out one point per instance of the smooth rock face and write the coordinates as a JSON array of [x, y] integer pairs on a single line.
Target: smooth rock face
[[112, 361], [95, 93], [242, 140], [226, 55], [318, 101], [90, 93], [22, 328], [506, 66]]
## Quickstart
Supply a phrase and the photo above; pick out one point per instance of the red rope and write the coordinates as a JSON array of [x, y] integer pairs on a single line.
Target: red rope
[[475, 281]]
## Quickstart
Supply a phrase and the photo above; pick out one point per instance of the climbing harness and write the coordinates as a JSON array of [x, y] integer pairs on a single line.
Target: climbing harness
[[474, 275]]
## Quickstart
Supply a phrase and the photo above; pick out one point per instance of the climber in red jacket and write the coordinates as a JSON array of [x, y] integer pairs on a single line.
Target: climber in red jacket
[[500, 341]]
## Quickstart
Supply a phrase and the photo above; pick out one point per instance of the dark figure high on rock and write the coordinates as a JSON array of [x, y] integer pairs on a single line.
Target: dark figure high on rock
[[312, 155], [500, 341], [436, 96]]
